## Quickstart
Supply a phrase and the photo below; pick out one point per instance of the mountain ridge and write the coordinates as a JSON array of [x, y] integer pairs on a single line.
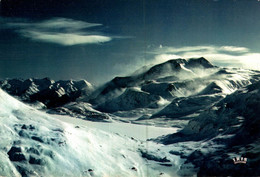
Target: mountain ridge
[[47, 91], [156, 93]]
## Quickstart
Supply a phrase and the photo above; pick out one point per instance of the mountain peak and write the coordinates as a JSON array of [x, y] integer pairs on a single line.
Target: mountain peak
[[199, 62]]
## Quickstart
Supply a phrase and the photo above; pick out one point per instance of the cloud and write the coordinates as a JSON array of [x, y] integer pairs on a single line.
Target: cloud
[[61, 31], [182, 49], [234, 49], [225, 56], [66, 39]]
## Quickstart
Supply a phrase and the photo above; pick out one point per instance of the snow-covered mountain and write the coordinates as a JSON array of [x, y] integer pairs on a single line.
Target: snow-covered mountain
[[57, 97], [176, 89], [173, 89], [227, 129], [81, 110], [170, 71], [36, 144], [46, 92]]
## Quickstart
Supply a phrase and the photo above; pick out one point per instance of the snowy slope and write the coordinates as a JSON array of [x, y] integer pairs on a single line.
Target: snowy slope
[[228, 129], [81, 110], [35, 144], [131, 98]]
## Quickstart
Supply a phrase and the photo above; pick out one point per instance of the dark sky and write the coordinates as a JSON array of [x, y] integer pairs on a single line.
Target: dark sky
[[99, 39]]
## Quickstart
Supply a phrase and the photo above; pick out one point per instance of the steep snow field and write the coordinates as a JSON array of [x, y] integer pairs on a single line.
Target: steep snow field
[[35, 144]]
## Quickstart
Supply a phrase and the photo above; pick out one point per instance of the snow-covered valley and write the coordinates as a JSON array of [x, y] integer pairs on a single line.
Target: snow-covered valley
[[36, 144], [177, 118], [140, 132]]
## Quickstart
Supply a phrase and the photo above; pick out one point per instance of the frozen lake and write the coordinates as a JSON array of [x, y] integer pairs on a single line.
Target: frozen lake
[[141, 132]]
